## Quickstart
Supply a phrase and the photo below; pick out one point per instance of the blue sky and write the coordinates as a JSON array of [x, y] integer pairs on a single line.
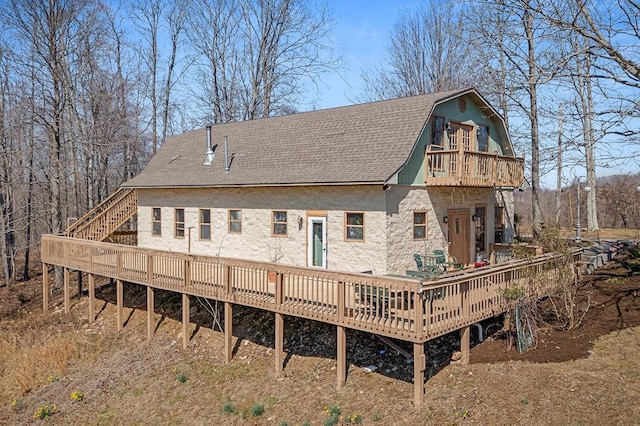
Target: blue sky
[[361, 33]]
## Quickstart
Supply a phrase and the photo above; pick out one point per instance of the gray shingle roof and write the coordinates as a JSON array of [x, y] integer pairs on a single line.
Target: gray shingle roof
[[365, 143]]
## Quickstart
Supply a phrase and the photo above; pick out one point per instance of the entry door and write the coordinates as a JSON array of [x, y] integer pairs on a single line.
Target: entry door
[[317, 241], [459, 222]]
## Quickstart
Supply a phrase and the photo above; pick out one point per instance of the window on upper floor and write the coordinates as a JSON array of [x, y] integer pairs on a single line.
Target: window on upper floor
[[483, 138], [437, 132]]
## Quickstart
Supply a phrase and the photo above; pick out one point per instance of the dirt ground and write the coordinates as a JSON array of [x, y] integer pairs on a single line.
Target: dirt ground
[[589, 375], [613, 297]]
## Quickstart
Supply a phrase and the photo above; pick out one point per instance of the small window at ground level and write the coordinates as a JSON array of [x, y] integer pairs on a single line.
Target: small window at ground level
[[179, 223], [157, 221], [235, 221], [205, 224], [354, 227], [419, 225], [279, 223]]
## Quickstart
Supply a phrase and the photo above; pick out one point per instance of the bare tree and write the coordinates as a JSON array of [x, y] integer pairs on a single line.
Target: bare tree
[[256, 55], [426, 53]]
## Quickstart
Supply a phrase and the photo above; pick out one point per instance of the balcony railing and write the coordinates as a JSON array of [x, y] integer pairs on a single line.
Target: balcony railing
[[475, 169]]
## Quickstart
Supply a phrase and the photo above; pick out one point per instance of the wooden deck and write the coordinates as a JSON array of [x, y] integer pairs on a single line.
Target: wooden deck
[[405, 309], [472, 169]]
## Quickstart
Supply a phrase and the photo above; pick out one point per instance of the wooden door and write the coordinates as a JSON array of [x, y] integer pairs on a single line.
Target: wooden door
[[459, 240]]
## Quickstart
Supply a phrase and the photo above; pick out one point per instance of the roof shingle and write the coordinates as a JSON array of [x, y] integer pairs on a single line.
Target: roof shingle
[[366, 143]]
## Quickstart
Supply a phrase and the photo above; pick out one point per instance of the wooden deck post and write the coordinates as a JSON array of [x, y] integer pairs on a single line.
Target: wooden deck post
[[419, 365], [92, 297], [66, 284], [150, 311], [185, 321], [79, 284], [45, 287], [279, 345], [228, 332], [119, 303], [464, 344], [341, 356]]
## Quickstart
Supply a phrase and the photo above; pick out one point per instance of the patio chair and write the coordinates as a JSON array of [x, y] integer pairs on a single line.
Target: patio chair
[[432, 269]]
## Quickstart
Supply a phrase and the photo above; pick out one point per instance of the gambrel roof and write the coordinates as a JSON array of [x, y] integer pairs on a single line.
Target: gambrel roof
[[359, 144]]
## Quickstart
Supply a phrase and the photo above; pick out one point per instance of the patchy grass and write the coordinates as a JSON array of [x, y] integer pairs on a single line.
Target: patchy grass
[[125, 380]]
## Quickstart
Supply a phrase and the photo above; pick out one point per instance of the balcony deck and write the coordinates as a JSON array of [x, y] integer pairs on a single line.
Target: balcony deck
[[401, 308], [472, 169]]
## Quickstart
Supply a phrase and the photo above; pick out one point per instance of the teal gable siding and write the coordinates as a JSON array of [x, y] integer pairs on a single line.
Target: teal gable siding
[[413, 172]]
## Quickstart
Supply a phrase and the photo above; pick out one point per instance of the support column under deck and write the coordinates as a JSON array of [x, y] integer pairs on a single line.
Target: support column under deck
[[279, 344], [228, 332], [45, 287], [119, 303], [92, 297], [419, 365], [66, 284], [150, 311], [464, 344], [185, 321], [341, 355]]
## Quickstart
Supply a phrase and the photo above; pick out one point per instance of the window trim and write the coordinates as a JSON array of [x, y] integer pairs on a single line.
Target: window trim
[[274, 223], [176, 222], [229, 221], [201, 224], [414, 224], [154, 221], [347, 226]]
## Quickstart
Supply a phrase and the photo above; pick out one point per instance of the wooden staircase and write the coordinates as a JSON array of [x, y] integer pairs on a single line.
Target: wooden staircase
[[104, 219]]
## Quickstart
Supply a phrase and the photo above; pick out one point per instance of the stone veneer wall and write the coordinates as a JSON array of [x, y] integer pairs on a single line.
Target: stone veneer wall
[[256, 242], [402, 201]]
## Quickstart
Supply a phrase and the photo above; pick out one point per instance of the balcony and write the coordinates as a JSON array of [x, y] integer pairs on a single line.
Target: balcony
[[472, 169]]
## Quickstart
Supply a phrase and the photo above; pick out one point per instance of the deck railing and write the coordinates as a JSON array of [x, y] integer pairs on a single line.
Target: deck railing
[[406, 309], [470, 168]]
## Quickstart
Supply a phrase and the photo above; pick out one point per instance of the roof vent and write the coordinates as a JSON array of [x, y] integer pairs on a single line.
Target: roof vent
[[210, 154]]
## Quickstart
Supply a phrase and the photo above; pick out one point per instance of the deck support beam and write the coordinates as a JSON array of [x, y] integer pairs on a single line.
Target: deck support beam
[[464, 344], [228, 332], [419, 365], [185, 321], [341, 355], [45, 287], [92, 297], [279, 344], [119, 303], [66, 284], [150, 311]]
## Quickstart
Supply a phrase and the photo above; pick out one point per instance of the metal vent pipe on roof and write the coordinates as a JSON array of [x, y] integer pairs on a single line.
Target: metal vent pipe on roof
[[226, 155], [210, 154]]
